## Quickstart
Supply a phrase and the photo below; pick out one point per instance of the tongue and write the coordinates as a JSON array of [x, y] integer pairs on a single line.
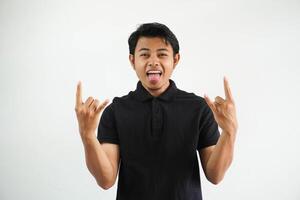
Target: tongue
[[154, 78]]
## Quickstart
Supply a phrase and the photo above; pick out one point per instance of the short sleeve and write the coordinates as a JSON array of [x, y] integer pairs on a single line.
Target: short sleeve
[[208, 128], [107, 131]]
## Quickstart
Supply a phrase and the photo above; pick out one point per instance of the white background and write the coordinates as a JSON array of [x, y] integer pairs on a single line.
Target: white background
[[47, 46]]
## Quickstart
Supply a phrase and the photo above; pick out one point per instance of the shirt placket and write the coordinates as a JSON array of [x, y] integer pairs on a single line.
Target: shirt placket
[[157, 121]]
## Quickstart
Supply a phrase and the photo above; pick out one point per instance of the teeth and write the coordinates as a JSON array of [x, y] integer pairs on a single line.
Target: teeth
[[154, 72]]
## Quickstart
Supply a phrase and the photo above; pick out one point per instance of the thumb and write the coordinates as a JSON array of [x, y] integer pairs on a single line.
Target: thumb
[[101, 106]]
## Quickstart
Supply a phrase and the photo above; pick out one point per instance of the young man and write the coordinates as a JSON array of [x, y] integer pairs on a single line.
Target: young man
[[155, 131]]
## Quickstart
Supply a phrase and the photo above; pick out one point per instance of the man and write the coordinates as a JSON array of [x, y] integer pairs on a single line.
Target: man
[[150, 137]]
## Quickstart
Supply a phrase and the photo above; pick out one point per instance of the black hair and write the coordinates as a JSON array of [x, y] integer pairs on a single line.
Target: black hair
[[153, 30]]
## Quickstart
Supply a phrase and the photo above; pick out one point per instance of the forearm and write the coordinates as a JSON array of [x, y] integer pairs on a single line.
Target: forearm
[[221, 157], [97, 162]]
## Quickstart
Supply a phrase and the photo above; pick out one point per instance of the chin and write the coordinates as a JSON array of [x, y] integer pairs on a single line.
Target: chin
[[157, 85]]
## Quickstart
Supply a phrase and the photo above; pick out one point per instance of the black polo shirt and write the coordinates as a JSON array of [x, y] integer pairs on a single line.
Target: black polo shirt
[[159, 138]]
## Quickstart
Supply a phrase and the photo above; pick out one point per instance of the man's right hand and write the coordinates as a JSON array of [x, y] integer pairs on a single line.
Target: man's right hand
[[88, 113]]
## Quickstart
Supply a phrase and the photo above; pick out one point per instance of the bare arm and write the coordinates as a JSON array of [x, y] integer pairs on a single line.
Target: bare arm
[[102, 160], [218, 158]]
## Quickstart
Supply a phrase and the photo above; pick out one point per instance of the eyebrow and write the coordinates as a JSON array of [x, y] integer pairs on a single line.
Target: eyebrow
[[146, 49]]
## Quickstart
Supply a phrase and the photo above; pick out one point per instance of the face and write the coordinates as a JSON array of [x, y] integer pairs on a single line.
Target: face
[[154, 62]]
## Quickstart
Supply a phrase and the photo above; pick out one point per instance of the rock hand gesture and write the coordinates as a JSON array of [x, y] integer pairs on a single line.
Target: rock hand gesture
[[224, 110], [88, 113]]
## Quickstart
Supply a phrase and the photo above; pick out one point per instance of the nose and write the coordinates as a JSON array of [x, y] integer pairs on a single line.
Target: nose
[[153, 61], [150, 64]]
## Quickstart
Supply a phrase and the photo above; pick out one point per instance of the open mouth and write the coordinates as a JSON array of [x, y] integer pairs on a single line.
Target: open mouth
[[154, 76], [152, 72]]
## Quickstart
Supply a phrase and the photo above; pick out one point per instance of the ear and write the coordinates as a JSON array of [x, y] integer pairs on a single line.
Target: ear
[[176, 59], [131, 60]]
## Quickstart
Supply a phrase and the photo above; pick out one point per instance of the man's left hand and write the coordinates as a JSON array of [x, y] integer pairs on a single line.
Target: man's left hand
[[224, 110]]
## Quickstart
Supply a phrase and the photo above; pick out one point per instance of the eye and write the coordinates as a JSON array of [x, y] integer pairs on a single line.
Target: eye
[[162, 54], [144, 54]]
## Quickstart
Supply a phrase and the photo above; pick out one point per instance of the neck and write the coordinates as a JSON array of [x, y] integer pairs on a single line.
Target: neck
[[158, 91]]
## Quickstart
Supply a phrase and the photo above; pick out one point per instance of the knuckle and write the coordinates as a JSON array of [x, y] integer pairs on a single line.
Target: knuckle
[[102, 106], [90, 113], [84, 111], [230, 105], [96, 102], [78, 109], [89, 98]]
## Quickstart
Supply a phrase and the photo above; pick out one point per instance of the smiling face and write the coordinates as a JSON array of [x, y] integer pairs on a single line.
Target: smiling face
[[154, 62]]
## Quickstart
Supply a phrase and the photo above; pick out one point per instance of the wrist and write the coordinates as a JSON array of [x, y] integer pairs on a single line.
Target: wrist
[[88, 136], [231, 135]]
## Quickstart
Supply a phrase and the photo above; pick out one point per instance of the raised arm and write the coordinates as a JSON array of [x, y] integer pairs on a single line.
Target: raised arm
[[217, 159], [102, 160]]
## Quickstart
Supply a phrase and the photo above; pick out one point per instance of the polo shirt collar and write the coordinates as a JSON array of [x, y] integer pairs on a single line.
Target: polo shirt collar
[[143, 95]]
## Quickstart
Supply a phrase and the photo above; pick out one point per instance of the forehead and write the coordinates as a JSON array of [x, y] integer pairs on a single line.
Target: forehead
[[152, 43]]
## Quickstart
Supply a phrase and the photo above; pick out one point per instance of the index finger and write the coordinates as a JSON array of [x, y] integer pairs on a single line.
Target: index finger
[[79, 94], [228, 93]]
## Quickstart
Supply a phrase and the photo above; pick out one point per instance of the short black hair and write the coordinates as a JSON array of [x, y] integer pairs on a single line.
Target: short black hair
[[153, 30]]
